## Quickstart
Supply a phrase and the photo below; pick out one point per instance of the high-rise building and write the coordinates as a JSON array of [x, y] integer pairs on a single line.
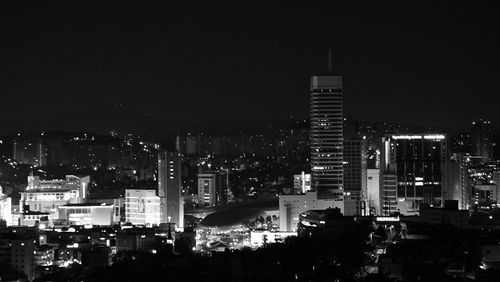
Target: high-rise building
[[326, 137], [389, 193], [355, 177], [482, 139], [418, 162], [457, 186], [142, 207], [213, 187], [170, 188], [206, 188], [373, 191]]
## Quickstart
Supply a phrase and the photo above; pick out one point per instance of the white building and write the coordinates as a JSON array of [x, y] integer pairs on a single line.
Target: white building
[[47, 195], [207, 188], [142, 207], [5, 208], [290, 206], [301, 183], [373, 191], [89, 214]]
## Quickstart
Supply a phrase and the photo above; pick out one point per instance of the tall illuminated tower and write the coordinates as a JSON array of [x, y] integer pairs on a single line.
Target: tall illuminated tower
[[326, 135], [169, 188]]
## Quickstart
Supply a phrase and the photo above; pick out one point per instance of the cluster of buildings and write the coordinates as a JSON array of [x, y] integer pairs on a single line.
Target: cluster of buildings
[[80, 151], [387, 173]]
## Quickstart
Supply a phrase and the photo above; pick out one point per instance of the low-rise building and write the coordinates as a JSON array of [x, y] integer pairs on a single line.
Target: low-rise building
[[89, 214], [291, 206]]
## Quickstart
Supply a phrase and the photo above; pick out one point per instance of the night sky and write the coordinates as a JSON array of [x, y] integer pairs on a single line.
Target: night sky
[[150, 68]]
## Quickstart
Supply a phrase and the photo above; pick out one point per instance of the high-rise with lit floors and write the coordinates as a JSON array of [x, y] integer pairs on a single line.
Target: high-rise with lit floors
[[326, 137], [482, 139], [169, 188]]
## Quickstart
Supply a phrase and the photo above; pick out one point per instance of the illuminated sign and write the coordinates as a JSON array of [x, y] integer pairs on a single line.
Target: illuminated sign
[[409, 137], [435, 137], [387, 218]]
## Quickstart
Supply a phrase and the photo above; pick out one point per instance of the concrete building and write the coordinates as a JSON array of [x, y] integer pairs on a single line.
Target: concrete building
[[355, 177], [291, 206], [17, 253], [136, 239], [457, 186], [485, 194], [326, 137], [89, 214], [213, 188], [170, 189], [206, 188], [373, 192], [301, 183], [482, 140], [47, 195], [142, 207], [389, 193], [418, 161]]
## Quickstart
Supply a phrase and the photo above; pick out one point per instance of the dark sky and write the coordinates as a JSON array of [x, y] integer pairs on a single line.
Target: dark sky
[[149, 67]]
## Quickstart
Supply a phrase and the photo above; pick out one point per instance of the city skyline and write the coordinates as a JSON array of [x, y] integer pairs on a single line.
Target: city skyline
[[101, 71], [319, 142]]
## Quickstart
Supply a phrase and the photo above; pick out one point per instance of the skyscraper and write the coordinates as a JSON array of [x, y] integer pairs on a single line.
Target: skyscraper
[[169, 188], [482, 139], [326, 137]]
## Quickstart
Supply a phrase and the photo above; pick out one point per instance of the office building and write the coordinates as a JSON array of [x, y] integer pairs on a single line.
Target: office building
[[136, 239], [418, 162], [389, 199], [301, 183], [355, 177], [170, 188], [90, 214], [326, 137], [485, 194], [142, 207], [373, 199], [482, 139], [17, 253], [213, 188], [457, 180], [47, 195], [291, 206], [206, 188]]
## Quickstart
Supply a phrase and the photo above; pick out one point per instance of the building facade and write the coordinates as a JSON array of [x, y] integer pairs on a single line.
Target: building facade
[[373, 191], [326, 137], [291, 206], [142, 207], [170, 188], [90, 214], [355, 177], [418, 161], [301, 183], [47, 195]]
